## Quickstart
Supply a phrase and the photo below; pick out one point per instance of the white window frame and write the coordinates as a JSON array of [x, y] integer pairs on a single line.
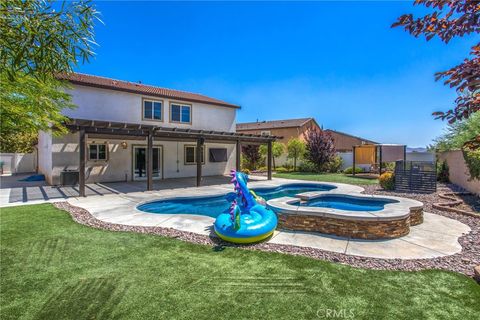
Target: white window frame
[[97, 151], [181, 105], [266, 133], [153, 109], [185, 147]]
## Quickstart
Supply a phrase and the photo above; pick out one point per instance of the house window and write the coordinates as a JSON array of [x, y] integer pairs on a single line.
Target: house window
[[266, 133], [181, 113], [152, 109], [217, 155], [191, 155], [97, 152]]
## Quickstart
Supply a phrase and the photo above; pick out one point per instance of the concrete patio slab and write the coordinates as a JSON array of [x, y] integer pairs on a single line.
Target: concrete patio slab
[[311, 240]]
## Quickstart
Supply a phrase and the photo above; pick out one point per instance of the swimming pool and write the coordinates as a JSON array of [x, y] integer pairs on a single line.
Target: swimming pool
[[212, 206], [343, 202]]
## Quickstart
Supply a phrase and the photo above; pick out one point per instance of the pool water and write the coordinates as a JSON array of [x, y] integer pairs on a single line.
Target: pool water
[[290, 190], [347, 203], [214, 205]]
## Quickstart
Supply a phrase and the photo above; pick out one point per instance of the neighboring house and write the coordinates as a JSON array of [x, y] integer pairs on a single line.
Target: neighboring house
[[287, 129], [115, 120], [344, 142]]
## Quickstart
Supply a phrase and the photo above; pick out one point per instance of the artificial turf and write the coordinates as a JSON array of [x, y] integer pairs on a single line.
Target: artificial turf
[[326, 177], [54, 268]]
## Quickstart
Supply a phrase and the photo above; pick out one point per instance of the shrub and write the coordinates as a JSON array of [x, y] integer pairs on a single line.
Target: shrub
[[320, 148], [306, 166], [335, 165], [349, 170], [251, 156], [282, 170], [472, 158], [246, 171], [388, 166], [443, 172], [387, 180]]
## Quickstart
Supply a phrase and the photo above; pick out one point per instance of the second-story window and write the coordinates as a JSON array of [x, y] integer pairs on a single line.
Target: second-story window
[[180, 113], [152, 109]]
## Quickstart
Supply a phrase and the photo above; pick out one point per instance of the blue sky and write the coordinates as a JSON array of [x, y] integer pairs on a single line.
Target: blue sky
[[339, 62]]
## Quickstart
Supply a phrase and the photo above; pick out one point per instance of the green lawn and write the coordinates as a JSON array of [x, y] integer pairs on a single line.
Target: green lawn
[[326, 177], [54, 268]]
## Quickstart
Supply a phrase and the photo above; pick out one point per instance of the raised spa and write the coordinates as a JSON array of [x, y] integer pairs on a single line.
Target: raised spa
[[355, 216]]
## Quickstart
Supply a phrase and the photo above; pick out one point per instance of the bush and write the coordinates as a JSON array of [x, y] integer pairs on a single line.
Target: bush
[[443, 172], [334, 165], [387, 180], [282, 170], [306, 166], [246, 171], [388, 166], [472, 159], [349, 170]]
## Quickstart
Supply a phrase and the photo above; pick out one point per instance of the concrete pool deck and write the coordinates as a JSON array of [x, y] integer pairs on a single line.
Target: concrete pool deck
[[437, 236]]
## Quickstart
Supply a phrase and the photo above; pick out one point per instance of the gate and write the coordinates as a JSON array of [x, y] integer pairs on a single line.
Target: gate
[[415, 176]]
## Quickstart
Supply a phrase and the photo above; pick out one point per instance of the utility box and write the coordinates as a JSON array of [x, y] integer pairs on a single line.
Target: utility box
[[69, 177]]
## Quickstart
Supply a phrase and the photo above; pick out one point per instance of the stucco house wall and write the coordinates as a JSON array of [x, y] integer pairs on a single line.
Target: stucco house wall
[[112, 105], [57, 154]]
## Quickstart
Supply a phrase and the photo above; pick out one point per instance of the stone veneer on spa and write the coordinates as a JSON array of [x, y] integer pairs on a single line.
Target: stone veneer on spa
[[392, 222]]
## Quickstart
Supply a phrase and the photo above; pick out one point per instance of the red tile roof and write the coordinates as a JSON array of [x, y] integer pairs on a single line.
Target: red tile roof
[[133, 87], [260, 125]]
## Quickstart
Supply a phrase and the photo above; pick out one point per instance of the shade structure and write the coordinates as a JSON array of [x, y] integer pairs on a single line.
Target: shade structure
[[365, 154], [392, 153]]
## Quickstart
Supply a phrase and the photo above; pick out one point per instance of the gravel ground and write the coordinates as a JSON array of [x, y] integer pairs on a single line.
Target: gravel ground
[[462, 262]]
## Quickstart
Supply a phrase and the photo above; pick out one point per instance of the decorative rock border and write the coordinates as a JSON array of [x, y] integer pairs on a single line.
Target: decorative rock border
[[449, 206], [392, 222]]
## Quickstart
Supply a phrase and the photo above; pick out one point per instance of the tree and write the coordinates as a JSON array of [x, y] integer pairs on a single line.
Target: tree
[[40, 41], [19, 142], [320, 148], [251, 155], [458, 133], [452, 18], [278, 149], [296, 150]]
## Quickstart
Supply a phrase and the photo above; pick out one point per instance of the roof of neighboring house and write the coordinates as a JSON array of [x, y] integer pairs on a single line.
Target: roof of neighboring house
[[133, 87], [352, 136], [274, 124]]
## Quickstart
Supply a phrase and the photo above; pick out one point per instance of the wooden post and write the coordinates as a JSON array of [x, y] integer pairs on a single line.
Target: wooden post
[[238, 163], [150, 161], [353, 171], [198, 157], [269, 160], [380, 161], [404, 153], [81, 167]]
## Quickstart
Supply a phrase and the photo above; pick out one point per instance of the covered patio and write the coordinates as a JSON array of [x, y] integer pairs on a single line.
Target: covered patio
[[15, 192], [149, 133]]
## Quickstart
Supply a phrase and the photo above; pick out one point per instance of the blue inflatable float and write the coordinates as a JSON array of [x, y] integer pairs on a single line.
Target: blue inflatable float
[[248, 221]]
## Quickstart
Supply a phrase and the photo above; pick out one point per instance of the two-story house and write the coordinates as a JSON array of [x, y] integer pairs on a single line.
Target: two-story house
[[125, 131]]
